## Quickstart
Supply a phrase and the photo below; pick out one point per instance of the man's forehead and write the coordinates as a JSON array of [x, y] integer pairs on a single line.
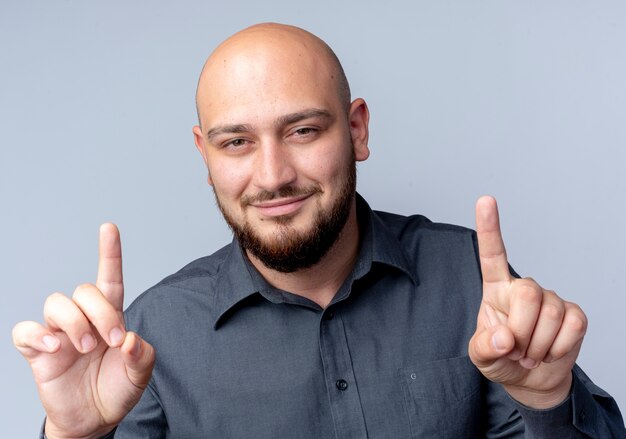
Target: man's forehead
[[267, 63]]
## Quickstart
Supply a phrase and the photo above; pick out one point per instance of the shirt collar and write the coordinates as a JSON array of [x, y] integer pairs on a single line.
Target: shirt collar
[[233, 283], [238, 280], [380, 242]]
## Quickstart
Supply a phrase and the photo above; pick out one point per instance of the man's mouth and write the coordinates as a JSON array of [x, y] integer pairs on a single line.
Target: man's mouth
[[281, 206]]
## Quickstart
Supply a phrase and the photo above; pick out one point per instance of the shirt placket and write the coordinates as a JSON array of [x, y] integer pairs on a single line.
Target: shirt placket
[[341, 384]]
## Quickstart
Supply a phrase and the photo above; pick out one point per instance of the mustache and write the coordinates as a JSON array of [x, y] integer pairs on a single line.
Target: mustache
[[283, 192]]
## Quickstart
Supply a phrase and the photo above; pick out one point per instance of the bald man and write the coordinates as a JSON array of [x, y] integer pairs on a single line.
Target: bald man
[[322, 318]]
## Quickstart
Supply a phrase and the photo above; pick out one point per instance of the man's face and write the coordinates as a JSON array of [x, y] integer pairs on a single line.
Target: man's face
[[291, 248], [278, 144]]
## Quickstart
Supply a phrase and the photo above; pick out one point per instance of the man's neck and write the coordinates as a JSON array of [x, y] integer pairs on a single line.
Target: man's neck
[[320, 282]]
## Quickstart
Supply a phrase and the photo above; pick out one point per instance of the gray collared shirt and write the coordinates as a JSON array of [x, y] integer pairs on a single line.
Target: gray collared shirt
[[237, 358]]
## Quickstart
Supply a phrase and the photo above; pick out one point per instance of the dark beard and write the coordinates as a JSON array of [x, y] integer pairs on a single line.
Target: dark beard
[[291, 251]]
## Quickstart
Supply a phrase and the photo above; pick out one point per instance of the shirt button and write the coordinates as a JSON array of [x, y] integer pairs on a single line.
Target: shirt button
[[341, 385], [329, 315]]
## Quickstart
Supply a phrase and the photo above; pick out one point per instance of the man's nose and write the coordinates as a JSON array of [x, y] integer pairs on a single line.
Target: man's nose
[[274, 168]]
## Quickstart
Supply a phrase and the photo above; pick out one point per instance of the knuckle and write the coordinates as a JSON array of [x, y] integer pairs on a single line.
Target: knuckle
[[82, 291], [552, 297], [552, 294], [530, 293], [574, 308], [54, 298], [577, 323], [52, 302], [553, 310], [576, 317], [17, 333]]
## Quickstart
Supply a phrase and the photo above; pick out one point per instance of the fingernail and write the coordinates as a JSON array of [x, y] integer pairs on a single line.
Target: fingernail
[[136, 348], [50, 342], [87, 342], [528, 363], [497, 341], [116, 336]]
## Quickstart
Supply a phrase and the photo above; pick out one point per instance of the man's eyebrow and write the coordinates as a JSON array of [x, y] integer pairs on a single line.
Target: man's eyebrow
[[301, 115], [227, 129], [287, 119]]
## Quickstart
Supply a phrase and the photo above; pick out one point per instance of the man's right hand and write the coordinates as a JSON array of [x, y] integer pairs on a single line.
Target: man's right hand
[[89, 371]]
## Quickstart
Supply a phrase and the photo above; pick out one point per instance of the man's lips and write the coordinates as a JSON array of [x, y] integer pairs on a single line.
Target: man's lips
[[281, 206]]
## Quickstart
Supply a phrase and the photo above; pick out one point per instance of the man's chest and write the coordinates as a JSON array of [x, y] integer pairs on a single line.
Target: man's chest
[[382, 364]]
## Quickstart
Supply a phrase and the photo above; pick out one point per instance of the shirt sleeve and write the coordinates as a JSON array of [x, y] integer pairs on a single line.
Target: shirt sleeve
[[588, 412], [146, 420], [42, 433]]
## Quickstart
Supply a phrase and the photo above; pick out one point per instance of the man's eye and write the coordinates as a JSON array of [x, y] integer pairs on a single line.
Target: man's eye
[[235, 143], [305, 131]]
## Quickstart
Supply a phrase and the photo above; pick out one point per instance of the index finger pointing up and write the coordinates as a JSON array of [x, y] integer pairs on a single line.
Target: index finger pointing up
[[110, 280], [493, 262]]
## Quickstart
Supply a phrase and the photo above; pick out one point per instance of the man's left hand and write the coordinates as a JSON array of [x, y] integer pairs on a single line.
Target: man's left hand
[[527, 338]]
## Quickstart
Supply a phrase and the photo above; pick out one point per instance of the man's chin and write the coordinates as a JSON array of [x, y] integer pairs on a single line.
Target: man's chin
[[279, 235], [270, 227]]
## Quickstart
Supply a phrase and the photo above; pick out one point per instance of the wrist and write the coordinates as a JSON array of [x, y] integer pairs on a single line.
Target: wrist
[[541, 399], [51, 431]]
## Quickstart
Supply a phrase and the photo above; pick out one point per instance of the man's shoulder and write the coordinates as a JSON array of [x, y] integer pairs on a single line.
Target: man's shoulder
[[201, 268], [422, 243], [403, 226], [195, 278]]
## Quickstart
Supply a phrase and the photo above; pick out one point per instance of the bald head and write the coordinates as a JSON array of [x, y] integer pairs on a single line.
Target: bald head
[[264, 53]]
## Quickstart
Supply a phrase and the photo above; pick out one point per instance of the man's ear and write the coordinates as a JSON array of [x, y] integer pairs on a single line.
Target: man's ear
[[359, 118], [199, 141]]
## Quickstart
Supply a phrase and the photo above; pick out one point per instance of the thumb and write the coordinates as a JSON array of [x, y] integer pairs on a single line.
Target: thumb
[[138, 355], [489, 344]]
